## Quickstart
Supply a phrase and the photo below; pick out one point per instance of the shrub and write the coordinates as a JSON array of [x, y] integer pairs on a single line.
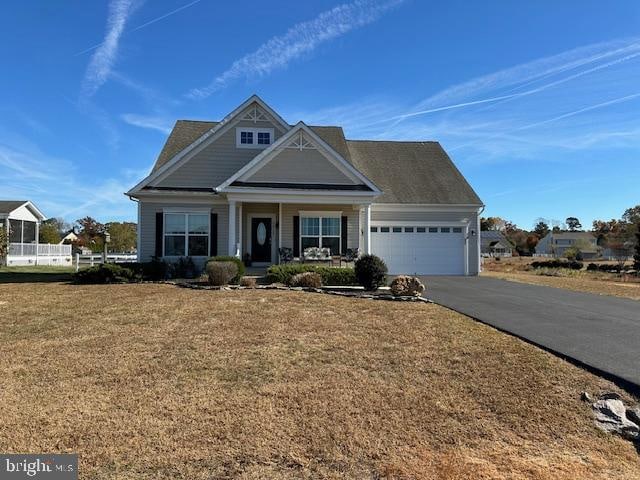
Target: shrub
[[406, 286], [155, 270], [371, 271], [106, 273], [330, 275], [239, 264], [221, 273], [185, 267], [306, 279], [592, 267], [249, 282], [557, 264]]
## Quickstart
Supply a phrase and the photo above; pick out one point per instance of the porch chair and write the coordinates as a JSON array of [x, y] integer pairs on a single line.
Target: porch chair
[[351, 255], [285, 254]]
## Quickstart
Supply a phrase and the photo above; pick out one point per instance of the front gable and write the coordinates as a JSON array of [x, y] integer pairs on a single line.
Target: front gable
[[300, 159], [214, 156]]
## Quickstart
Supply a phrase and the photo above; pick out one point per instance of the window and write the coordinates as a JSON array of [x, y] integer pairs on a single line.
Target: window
[[264, 138], [374, 229], [322, 232], [421, 229], [445, 230], [433, 229], [186, 234], [397, 229], [457, 229], [253, 137], [408, 229], [246, 138], [384, 229]]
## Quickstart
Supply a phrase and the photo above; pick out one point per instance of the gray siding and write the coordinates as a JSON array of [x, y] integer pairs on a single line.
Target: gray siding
[[148, 225], [304, 166], [396, 219], [217, 162], [289, 210]]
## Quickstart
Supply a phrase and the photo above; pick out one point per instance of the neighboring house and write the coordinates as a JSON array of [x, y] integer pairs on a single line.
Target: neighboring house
[[254, 184], [22, 220], [557, 243], [493, 243], [70, 237]]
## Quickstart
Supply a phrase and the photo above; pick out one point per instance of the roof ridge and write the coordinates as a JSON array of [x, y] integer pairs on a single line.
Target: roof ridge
[[392, 141]]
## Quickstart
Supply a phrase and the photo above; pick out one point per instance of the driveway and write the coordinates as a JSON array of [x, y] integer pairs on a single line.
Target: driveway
[[599, 331]]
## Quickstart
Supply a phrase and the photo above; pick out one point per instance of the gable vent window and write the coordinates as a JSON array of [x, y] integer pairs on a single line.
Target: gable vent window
[[254, 137]]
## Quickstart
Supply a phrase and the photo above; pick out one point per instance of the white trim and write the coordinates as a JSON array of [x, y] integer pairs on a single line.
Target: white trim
[[466, 249], [279, 227], [232, 239], [185, 210], [319, 213], [367, 229], [423, 207], [266, 155], [254, 131], [206, 139], [139, 232], [274, 194], [250, 217], [400, 223]]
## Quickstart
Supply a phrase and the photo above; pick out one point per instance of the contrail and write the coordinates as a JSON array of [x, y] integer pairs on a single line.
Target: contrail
[[150, 22]]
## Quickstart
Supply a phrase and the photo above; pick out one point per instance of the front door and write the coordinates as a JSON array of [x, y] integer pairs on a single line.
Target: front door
[[261, 240]]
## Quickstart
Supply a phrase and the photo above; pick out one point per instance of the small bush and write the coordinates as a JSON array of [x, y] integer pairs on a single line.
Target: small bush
[[558, 264], [330, 275], [221, 273], [106, 273], [239, 264], [155, 270], [371, 272], [185, 267], [249, 282], [592, 267], [306, 279]]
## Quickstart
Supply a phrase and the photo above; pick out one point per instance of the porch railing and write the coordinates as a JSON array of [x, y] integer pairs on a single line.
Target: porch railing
[[39, 249]]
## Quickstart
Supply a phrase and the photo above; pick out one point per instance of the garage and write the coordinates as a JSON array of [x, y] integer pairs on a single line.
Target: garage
[[420, 249]]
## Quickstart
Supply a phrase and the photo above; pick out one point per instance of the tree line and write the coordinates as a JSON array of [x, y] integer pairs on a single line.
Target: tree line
[[91, 234], [617, 234]]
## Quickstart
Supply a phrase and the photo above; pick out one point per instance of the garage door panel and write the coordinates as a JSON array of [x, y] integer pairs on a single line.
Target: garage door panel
[[428, 253]]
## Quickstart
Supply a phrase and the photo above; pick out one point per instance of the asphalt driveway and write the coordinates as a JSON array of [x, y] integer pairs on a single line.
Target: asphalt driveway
[[599, 331]]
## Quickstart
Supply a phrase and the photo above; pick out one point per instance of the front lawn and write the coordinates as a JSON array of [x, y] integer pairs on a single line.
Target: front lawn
[[150, 381], [35, 273]]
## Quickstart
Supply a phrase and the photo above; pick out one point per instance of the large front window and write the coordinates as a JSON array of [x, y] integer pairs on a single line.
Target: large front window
[[186, 234], [320, 232]]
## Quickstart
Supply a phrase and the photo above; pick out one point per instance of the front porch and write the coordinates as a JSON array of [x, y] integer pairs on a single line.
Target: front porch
[[262, 231]]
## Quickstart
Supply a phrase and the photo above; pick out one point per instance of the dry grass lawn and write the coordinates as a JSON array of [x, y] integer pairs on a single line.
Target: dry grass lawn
[[579, 283], [156, 382]]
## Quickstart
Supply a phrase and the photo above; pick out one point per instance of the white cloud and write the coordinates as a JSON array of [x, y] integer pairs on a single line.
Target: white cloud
[[103, 59], [300, 39], [159, 123]]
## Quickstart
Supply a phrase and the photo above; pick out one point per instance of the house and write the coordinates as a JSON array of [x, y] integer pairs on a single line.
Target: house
[[254, 184], [493, 243], [70, 237], [22, 219], [557, 243]]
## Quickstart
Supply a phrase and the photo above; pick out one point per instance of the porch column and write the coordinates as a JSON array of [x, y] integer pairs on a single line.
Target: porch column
[[37, 240], [279, 222], [367, 229], [232, 228], [239, 242]]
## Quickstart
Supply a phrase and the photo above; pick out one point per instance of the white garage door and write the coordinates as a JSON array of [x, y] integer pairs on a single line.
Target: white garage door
[[420, 250]]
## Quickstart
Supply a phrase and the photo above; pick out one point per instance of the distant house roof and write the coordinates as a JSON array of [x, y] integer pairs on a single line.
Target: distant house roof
[[573, 235], [491, 238], [406, 172], [8, 206]]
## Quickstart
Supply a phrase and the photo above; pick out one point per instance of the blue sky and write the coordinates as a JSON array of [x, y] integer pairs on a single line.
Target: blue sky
[[538, 103]]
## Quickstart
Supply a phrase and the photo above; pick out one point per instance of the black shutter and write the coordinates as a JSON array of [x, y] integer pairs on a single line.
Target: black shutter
[[159, 227], [344, 235], [213, 235], [296, 236]]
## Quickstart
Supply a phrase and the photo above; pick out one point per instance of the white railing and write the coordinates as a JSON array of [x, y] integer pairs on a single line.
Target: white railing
[[97, 258], [39, 250]]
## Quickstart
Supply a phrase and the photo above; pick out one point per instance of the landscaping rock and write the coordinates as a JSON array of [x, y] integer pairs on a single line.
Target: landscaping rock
[[585, 397], [633, 414], [611, 396], [406, 286], [611, 416]]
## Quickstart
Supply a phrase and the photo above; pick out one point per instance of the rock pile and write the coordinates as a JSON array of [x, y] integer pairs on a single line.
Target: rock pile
[[613, 416]]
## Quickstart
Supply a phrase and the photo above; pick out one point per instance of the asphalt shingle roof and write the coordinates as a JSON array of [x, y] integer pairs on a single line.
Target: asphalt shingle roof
[[406, 172], [8, 206]]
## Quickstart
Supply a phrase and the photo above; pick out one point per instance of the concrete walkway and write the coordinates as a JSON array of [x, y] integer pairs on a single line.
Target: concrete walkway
[[600, 331]]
